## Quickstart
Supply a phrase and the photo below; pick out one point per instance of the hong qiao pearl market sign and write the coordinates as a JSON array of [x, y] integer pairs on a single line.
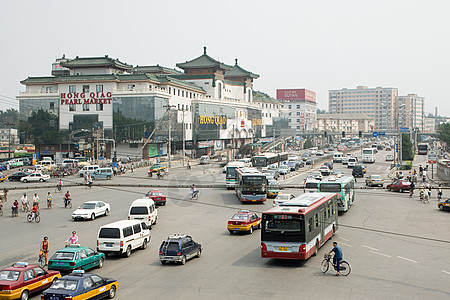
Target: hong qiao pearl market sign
[[86, 98]]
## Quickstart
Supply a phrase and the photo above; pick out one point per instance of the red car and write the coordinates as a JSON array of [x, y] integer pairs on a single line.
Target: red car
[[157, 196], [399, 186], [244, 220], [20, 280]]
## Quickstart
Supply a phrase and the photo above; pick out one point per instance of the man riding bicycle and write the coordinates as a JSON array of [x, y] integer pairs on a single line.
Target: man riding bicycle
[[44, 250], [337, 256], [66, 199], [59, 185], [34, 211], [193, 191]]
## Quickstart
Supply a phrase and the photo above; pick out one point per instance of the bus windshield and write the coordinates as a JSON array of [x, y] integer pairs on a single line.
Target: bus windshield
[[367, 151], [287, 228], [253, 183], [231, 172], [330, 187]]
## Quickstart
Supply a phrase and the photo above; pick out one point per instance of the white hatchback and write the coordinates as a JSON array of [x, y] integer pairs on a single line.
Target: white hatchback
[[91, 210]]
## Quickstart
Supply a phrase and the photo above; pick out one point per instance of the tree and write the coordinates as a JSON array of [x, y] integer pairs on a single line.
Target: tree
[[246, 149], [443, 131], [407, 152], [9, 118], [42, 128], [308, 143], [321, 111]]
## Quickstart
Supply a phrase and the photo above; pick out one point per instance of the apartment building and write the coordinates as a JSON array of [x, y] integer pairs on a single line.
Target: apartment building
[[411, 111]]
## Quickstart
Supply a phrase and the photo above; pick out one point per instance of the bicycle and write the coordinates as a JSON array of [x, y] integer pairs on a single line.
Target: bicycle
[[14, 211], [1, 209], [31, 218], [344, 266], [194, 195], [49, 204], [25, 207], [42, 259], [68, 204], [58, 188]]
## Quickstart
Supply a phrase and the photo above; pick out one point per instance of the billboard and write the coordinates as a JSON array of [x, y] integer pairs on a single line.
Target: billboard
[[296, 95]]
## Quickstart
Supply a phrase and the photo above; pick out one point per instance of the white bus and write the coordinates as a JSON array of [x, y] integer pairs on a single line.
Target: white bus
[[368, 155]]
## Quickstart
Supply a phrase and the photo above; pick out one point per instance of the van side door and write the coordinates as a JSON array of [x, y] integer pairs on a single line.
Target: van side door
[[138, 236]]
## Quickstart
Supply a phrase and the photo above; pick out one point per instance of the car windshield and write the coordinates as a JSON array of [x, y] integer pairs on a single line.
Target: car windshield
[[9, 275], [63, 255], [63, 284], [240, 217], [376, 177], [87, 206], [156, 166]]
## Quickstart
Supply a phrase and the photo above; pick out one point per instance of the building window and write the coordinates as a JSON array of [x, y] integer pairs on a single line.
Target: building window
[[190, 125], [131, 87], [49, 89], [290, 106], [298, 120], [298, 113], [72, 88], [219, 88], [170, 90], [72, 107], [85, 89], [52, 105], [99, 107], [178, 92], [182, 93], [99, 88], [85, 107]]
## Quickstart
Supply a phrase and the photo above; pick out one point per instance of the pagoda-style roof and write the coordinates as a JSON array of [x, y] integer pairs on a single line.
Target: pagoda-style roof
[[202, 62], [155, 70], [237, 71], [90, 62], [263, 97]]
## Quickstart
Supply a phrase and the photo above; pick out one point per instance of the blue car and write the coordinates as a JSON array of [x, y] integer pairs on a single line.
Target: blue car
[[179, 248], [80, 285]]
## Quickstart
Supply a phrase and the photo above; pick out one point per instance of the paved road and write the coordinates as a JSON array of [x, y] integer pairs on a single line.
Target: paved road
[[384, 265]]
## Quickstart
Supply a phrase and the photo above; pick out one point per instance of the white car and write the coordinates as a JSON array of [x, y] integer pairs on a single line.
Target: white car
[[35, 177], [282, 198], [91, 210], [324, 170]]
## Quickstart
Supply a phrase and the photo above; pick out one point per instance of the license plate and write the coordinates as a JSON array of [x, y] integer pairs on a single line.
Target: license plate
[[235, 228], [108, 245], [158, 198], [282, 248], [60, 263], [54, 298]]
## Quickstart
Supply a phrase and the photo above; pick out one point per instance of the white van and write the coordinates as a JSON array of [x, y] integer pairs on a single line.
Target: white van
[[88, 170], [143, 210], [123, 236], [205, 159], [337, 157], [351, 162], [48, 164]]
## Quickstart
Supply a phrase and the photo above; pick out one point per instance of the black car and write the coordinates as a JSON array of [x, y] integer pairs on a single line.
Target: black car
[[329, 164], [17, 176], [293, 165], [310, 161], [358, 171], [179, 248], [26, 161]]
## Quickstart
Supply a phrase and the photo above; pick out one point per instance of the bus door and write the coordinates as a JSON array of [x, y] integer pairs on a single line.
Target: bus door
[[322, 217]]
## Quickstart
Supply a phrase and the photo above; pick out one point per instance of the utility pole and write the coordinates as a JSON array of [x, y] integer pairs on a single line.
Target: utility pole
[[184, 137], [169, 151]]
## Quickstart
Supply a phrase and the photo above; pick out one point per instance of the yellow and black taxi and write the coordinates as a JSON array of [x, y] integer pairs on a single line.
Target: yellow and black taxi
[[444, 204], [273, 188], [244, 220], [157, 167], [3, 177], [21, 279], [80, 285]]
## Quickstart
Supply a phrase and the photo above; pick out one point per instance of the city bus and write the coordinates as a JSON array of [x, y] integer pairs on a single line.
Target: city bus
[[268, 160], [368, 155], [251, 185], [422, 149], [344, 187], [230, 177], [297, 228]]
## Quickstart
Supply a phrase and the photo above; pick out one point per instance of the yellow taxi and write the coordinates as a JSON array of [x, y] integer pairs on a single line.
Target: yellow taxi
[[157, 167], [444, 204], [21, 279], [3, 177], [244, 220]]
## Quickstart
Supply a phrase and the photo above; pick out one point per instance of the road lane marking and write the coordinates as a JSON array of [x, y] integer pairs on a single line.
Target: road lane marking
[[346, 244], [413, 261], [375, 249], [343, 239], [385, 255], [445, 272]]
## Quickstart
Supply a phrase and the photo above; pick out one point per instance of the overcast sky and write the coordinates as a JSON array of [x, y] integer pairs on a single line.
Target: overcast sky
[[318, 45]]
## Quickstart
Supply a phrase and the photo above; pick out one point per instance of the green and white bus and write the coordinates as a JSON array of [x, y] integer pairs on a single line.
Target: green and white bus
[[231, 176], [343, 186]]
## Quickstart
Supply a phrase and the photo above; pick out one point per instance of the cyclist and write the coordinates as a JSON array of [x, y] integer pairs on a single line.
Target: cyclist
[[439, 192], [337, 256], [15, 208], [34, 211], [73, 239], [24, 200], [36, 199], [193, 191], [89, 180], [44, 249], [66, 199], [49, 200], [411, 189], [59, 185]]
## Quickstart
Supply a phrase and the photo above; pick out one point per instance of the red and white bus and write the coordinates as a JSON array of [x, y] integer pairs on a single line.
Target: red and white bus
[[251, 185], [296, 229]]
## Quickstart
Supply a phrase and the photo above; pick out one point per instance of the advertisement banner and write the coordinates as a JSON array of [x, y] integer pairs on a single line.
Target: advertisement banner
[[205, 144], [152, 150], [296, 95]]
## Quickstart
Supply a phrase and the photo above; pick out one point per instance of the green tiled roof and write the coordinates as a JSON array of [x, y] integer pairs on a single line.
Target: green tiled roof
[[188, 77], [80, 62], [166, 78], [203, 61], [263, 97], [31, 80], [155, 69], [237, 71]]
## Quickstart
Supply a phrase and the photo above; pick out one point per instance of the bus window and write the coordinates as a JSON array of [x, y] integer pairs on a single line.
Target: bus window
[[316, 217], [310, 224]]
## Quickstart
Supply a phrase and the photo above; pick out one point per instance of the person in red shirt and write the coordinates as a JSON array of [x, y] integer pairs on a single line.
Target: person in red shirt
[[34, 210]]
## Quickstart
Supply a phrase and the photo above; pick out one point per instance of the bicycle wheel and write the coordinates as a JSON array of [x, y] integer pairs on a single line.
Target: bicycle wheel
[[344, 268], [29, 218], [37, 219], [42, 260], [69, 205], [324, 266]]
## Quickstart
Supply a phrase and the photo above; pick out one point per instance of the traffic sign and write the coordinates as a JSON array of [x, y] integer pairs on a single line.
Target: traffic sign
[[399, 165], [431, 161], [404, 129], [382, 133], [374, 134]]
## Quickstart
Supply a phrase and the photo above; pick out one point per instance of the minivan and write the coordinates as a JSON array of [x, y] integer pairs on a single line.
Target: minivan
[[143, 210], [351, 162], [358, 171], [102, 173], [122, 237], [69, 163], [47, 164], [205, 160], [337, 157], [87, 170]]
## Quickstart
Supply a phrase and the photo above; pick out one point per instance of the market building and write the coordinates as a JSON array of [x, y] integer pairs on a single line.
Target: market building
[[95, 100]]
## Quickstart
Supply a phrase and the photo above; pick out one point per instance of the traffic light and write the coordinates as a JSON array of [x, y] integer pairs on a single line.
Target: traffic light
[[360, 133], [343, 133]]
